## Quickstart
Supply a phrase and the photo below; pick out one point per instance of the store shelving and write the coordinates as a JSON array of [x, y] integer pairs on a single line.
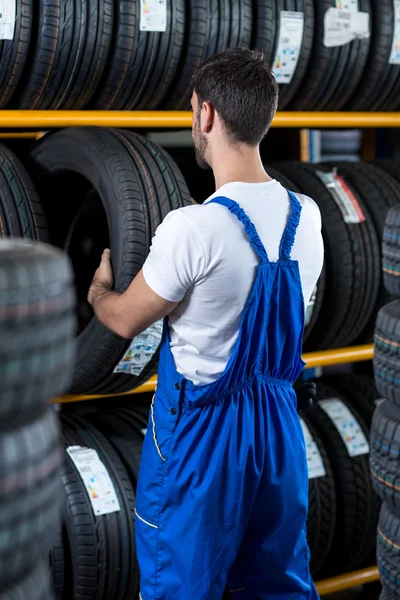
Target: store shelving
[[322, 358], [348, 581], [32, 119]]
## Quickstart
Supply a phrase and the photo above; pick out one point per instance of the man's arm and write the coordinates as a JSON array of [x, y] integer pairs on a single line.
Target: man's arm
[[130, 313]]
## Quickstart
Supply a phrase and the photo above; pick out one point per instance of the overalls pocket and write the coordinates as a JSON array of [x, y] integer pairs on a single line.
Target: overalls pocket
[[162, 422]]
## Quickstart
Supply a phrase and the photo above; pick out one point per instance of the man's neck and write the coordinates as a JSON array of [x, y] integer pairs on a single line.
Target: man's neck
[[242, 164]]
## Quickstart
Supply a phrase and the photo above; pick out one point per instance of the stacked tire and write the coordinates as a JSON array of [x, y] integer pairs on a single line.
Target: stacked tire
[[94, 555], [385, 434], [118, 55], [343, 507], [354, 199], [37, 356]]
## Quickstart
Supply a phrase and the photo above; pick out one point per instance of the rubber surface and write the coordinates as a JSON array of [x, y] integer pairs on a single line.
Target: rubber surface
[[385, 453], [388, 548], [14, 53], [322, 507], [359, 390], [387, 352], [391, 251], [355, 529], [379, 88], [37, 328], [333, 73], [102, 546], [34, 585], [138, 187], [345, 263], [30, 495]]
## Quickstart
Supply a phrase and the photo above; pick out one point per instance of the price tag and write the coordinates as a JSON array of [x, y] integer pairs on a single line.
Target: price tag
[[347, 426], [96, 479], [289, 45], [395, 53], [343, 26], [153, 15], [315, 463], [7, 19], [141, 350]]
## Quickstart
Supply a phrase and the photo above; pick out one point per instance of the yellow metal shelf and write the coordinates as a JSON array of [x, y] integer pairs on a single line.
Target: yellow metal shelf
[[314, 359], [348, 581], [46, 119]]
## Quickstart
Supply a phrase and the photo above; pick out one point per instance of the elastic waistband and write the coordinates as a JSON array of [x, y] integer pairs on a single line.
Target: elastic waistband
[[209, 398]]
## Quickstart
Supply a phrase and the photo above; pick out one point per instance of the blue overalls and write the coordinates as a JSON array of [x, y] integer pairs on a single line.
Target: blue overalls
[[223, 488]]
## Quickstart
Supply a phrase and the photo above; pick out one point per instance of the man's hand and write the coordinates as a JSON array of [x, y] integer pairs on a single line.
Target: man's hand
[[103, 278]]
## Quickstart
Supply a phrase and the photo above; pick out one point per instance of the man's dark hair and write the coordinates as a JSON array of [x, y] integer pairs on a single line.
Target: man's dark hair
[[241, 87]]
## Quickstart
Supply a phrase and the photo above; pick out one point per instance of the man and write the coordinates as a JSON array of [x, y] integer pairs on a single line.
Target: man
[[223, 487]]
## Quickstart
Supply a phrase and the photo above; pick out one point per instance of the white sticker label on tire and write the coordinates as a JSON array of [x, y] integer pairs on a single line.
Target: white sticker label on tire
[[343, 196], [315, 463], [7, 19], [345, 422], [343, 26], [141, 350], [96, 479], [394, 58], [289, 45], [153, 15]]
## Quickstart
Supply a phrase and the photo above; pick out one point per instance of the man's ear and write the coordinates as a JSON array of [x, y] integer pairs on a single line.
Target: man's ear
[[207, 117]]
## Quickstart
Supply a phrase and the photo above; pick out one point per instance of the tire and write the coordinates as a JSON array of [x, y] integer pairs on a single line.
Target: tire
[[387, 352], [288, 92], [265, 29], [14, 53], [390, 167], [355, 531], [322, 507], [20, 209], [371, 191], [388, 548], [359, 390], [334, 73], [241, 25], [124, 170], [104, 544], [37, 328], [391, 251], [385, 453], [30, 495], [342, 314], [142, 64], [199, 43], [387, 594], [126, 437], [34, 585], [57, 566], [380, 87]]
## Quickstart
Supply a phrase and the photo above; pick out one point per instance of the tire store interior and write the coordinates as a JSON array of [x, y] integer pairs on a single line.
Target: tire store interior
[[95, 150]]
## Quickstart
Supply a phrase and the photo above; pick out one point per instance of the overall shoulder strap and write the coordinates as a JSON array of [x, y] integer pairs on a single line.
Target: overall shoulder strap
[[249, 227], [289, 234]]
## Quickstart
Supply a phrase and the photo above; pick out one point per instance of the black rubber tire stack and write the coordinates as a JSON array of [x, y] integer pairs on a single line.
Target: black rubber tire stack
[[322, 503], [137, 184], [333, 73], [349, 248], [266, 34], [385, 432], [379, 89], [356, 507], [37, 356]]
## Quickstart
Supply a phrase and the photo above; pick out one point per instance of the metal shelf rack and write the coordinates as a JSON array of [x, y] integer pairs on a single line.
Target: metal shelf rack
[[43, 119], [31, 124]]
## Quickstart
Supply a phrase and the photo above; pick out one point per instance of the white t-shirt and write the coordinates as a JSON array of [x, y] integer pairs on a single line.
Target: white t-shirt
[[201, 257]]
